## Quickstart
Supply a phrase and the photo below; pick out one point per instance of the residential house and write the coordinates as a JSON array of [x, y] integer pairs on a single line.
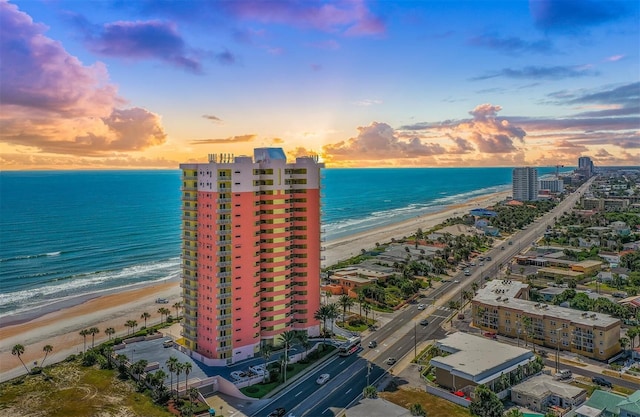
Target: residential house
[[542, 392]]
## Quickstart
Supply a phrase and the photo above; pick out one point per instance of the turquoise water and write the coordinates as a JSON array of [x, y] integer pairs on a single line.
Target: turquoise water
[[68, 233]]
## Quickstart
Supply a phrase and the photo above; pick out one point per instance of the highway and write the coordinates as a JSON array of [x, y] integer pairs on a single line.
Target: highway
[[399, 337]]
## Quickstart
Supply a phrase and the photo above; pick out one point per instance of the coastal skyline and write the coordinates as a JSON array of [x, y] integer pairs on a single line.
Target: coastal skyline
[[107, 85]]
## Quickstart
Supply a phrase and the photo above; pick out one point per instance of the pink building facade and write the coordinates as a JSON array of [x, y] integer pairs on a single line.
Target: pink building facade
[[250, 252]]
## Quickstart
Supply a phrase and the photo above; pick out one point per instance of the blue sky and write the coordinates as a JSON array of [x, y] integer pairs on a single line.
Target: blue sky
[[150, 84]]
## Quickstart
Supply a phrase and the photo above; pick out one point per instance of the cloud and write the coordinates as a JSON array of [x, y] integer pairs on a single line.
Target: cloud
[[52, 103], [231, 139], [545, 73], [614, 58], [512, 45], [378, 141], [574, 15], [367, 102], [226, 58], [621, 100], [151, 39], [351, 18], [277, 141], [213, 118]]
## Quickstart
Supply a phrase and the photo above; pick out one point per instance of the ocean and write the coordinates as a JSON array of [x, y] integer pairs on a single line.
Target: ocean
[[67, 234]]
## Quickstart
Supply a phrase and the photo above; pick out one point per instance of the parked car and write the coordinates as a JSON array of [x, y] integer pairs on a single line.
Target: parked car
[[373, 344], [488, 258], [278, 412], [167, 343], [563, 374], [424, 322], [420, 306], [322, 379], [162, 301], [601, 381], [391, 361], [490, 335], [238, 375]]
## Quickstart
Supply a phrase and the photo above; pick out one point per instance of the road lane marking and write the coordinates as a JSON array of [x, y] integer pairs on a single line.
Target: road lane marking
[[348, 391], [298, 394]]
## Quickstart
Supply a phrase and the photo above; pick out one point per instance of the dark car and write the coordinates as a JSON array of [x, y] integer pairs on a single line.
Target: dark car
[[278, 412], [601, 381], [424, 322]]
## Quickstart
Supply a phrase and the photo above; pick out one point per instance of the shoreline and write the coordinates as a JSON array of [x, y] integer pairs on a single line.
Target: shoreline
[[59, 323]]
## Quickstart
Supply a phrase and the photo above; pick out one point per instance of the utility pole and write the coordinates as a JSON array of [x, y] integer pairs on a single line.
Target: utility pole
[[415, 340]]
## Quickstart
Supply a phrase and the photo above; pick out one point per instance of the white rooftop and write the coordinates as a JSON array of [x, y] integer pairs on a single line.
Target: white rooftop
[[472, 355], [503, 293], [543, 385]]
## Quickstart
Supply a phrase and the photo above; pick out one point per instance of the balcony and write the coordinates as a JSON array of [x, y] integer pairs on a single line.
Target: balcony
[[223, 253], [224, 210], [223, 221], [223, 306], [223, 200], [189, 257], [223, 274], [223, 338], [224, 284], [223, 348], [190, 177], [190, 267], [189, 198], [190, 297], [191, 228], [223, 263], [189, 188], [223, 316], [224, 232], [223, 295], [224, 327], [190, 218], [188, 286]]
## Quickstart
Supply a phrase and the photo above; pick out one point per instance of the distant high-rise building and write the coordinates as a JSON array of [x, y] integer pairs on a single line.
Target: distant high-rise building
[[585, 166], [525, 184], [554, 185], [250, 252]]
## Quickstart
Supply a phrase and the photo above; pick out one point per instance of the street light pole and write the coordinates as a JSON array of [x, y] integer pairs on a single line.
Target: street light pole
[[558, 349], [415, 340]]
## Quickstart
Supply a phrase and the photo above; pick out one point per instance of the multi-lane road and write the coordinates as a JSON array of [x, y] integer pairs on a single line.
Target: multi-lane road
[[399, 337]]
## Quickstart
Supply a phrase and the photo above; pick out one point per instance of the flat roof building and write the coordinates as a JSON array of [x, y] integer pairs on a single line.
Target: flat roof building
[[250, 252], [474, 360], [525, 184], [542, 392], [503, 307]]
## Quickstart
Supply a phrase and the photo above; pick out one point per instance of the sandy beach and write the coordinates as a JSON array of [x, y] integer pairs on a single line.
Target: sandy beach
[[61, 328]]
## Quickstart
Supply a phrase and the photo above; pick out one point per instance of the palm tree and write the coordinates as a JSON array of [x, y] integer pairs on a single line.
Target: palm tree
[[361, 300], [144, 316], [345, 302], [624, 342], [332, 314], [93, 331], [46, 349], [288, 336], [193, 394], [163, 311], [179, 369], [369, 392], [303, 338], [367, 309], [109, 331], [187, 369], [129, 325], [172, 364], [266, 352], [322, 314], [177, 306], [18, 350], [84, 333]]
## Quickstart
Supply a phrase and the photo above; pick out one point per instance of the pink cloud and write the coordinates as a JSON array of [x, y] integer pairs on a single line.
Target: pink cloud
[[53, 103], [350, 18]]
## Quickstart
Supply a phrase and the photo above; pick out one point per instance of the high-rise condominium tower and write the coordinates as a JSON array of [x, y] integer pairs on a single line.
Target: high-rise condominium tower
[[525, 184], [250, 252], [585, 165]]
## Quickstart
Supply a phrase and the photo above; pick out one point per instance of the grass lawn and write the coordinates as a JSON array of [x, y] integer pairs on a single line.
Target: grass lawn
[[74, 390], [435, 406]]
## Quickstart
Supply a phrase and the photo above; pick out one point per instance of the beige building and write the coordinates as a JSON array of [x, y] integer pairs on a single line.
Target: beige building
[[502, 307], [542, 393]]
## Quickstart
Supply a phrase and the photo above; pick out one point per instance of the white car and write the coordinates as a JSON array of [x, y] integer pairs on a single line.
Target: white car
[[420, 306], [322, 379], [238, 375]]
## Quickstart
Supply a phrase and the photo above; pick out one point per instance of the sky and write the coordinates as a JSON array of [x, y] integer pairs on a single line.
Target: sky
[[150, 84]]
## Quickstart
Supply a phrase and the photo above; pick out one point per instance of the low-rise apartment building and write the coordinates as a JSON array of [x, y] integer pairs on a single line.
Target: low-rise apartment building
[[503, 307], [542, 392]]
